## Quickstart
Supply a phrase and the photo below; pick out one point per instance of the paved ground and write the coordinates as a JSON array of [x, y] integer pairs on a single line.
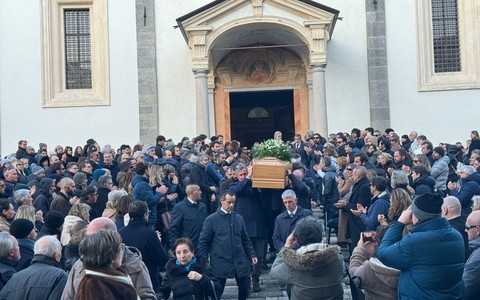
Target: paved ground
[[271, 289]]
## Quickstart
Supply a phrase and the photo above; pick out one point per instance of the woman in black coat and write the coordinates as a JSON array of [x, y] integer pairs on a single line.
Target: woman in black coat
[[189, 276]]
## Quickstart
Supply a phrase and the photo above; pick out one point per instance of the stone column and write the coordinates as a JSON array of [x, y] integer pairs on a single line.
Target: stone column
[[311, 116], [319, 100], [201, 94], [211, 110], [147, 71], [377, 64]]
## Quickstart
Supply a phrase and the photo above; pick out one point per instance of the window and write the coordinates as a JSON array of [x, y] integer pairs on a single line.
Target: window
[[446, 40], [78, 65], [448, 45], [75, 62]]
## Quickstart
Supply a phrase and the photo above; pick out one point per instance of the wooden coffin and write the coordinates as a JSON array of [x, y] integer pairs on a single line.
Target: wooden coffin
[[270, 172]]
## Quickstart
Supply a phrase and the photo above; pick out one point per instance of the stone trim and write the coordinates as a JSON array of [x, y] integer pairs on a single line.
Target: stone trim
[[469, 77], [55, 93]]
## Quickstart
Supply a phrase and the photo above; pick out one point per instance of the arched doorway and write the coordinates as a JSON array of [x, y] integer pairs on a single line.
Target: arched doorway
[[279, 86], [255, 116]]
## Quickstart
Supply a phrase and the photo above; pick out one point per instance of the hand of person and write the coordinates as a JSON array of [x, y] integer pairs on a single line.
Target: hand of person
[[159, 235], [172, 197], [213, 198], [74, 200], [390, 170], [406, 169], [452, 185], [174, 179], [340, 181], [317, 152], [356, 212], [313, 204], [33, 189], [162, 189], [213, 189], [361, 243], [254, 260], [381, 219], [307, 149], [249, 171], [406, 216], [290, 241], [195, 276], [340, 203], [361, 208]]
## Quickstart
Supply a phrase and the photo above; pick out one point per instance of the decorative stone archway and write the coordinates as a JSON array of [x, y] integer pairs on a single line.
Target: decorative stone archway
[[270, 29], [280, 69]]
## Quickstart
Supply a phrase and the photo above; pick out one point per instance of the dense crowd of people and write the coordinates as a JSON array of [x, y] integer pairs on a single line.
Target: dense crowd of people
[[179, 219]]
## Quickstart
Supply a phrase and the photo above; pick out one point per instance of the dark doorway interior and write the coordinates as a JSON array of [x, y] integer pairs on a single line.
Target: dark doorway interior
[[255, 116]]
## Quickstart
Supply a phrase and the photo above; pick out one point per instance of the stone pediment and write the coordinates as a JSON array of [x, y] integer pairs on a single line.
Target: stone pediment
[[219, 27]]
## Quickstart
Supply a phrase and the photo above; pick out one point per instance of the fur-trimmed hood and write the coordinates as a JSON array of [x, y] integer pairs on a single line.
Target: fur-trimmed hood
[[312, 257]]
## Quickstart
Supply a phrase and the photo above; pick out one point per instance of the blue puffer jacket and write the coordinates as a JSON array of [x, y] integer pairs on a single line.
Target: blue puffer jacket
[[143, 191], [380, 206], [470, 188], [430, 258]]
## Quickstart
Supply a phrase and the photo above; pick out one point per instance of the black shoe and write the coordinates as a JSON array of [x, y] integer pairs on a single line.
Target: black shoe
[[256, 287]]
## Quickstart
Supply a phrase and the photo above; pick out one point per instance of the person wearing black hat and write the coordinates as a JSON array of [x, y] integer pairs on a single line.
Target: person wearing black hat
[[53, 224], [24, 231], [440, 169], [431, 258]]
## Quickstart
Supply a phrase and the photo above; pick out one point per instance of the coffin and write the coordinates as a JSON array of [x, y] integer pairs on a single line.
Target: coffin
[[270, 172]]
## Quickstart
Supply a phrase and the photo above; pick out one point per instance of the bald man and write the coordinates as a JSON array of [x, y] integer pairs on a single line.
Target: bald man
[[132, 263], [452, 211], [471, 272]]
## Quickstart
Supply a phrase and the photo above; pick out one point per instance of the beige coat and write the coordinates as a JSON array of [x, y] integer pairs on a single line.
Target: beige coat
[[377, 280]]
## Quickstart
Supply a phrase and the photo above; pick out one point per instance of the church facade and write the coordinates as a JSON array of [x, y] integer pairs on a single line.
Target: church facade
[[125, 71]]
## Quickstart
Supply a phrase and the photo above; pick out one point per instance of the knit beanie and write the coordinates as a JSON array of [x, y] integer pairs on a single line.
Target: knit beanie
[[37, 170], [427, 206], [53, 219], [98, 173], [439, 150], [21, 228], [79, 177]]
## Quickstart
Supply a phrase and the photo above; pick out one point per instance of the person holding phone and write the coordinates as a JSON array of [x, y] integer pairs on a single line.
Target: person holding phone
[[377, 280]]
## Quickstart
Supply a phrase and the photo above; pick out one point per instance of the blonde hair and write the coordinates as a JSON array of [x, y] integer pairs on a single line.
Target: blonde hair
[[156, 173], [26, 212], [400, 201], [80, 210]]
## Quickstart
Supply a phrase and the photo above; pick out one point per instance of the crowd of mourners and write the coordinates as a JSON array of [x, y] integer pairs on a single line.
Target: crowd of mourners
[[178, 220]]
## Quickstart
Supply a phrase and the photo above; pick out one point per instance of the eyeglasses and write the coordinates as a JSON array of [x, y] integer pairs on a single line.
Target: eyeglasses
[[316, 137], [470, 227], [349, 169]]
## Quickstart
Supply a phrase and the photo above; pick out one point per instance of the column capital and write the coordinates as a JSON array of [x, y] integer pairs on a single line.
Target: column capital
[[197, 38], [200, 72], [318, 67]]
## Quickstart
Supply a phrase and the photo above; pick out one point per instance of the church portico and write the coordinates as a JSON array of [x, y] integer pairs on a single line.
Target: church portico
[[272, 46]]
